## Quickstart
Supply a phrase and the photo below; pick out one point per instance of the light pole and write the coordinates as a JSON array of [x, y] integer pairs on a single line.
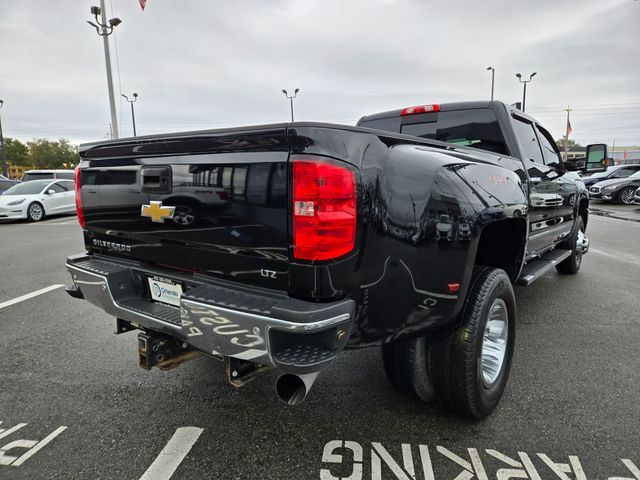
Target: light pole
[[133, 115], [524, 94], [291, 97], [493, 78], [105, 29], [3, 146]]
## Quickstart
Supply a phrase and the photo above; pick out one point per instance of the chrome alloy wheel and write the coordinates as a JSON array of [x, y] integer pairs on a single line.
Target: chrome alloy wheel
[[494, 342], [626, 196], [35, 211]]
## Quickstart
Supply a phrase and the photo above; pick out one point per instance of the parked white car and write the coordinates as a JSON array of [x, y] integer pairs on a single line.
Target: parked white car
[[37, 199]]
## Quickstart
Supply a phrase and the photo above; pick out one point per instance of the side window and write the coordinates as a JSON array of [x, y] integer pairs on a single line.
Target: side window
[[527, 139], [550, 154], [56, 187], [66, 185], [622, 173]]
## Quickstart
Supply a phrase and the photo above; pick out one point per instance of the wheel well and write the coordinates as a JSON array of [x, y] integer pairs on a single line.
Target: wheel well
[[502, 245], [583, 210]]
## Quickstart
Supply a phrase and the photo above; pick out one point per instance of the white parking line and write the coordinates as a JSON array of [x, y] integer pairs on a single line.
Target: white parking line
[[172, 454], [8, 303]]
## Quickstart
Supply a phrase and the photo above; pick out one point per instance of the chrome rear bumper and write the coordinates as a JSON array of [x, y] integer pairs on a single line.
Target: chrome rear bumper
[[219, 318]]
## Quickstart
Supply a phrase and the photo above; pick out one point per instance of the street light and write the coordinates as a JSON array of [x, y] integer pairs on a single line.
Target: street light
[[493, 78], [105, 29], [524, 94], [3, 146], [133, 115], [295, 94]]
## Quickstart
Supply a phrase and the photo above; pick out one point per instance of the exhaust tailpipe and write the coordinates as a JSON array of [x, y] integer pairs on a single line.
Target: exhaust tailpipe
[[292, 389]]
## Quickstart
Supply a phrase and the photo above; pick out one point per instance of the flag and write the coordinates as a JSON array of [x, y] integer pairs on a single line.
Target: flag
[[143, 3], [569, 129]]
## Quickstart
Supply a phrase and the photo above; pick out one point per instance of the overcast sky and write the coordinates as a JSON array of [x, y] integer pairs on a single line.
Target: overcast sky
[[213, 63]]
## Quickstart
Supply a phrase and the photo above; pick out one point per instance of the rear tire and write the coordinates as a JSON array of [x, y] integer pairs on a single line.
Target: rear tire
[[35, 212], [469, 362], [571, 264], [406, 365]]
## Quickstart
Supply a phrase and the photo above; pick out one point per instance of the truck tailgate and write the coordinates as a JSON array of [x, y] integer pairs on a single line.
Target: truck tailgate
[[214, 203]]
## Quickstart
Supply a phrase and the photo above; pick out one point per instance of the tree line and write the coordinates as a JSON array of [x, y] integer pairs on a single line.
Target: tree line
[[42, 153]]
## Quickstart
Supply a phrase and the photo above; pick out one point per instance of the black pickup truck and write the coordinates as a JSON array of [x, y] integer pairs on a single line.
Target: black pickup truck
[[280, 246]]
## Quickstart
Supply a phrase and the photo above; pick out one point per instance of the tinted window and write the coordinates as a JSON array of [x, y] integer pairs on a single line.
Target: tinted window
[[29, 188], [528, 140], [66, 185], [36, 176], [390, 124], [108, 177], [550, 155], [476, 128], [624, 172], [57, 188], [65, 175]]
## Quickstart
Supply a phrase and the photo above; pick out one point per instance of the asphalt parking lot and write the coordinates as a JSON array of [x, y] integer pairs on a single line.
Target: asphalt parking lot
[[75, 405]]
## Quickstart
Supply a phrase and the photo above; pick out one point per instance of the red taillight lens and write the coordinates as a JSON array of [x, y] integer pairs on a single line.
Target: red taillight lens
[[420, 109], [324, 210], [79, 197]]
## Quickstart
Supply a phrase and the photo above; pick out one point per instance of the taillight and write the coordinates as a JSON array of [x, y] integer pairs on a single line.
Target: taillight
[[324, 209], [79, 197], [420, 109]]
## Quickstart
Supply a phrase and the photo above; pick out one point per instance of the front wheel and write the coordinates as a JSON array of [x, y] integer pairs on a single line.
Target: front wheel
[[626, 195], [35, 212], [470, 359]]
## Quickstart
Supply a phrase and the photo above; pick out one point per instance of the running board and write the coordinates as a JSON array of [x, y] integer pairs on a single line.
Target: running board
[[535, 269]]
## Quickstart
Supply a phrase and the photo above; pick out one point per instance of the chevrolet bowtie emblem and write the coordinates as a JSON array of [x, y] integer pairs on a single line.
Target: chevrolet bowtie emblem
[[156, 212]]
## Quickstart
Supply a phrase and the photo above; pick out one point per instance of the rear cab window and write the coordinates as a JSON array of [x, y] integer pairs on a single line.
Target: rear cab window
[[477, 128], [37, 176]]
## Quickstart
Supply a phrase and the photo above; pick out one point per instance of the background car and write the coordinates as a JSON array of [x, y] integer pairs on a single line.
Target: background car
[[6, 183], [621, 190], [36, 199], [48, 175], [616, 171]]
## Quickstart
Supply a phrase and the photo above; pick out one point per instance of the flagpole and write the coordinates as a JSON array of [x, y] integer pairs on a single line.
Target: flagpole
[[566, 137]]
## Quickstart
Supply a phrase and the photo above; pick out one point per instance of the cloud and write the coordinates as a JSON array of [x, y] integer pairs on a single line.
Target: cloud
[[211, 64]]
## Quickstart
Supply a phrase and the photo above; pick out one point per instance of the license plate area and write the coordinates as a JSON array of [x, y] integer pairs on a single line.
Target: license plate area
[[165, 290]]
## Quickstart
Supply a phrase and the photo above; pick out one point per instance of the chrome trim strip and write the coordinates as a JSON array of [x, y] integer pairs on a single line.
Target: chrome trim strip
[[269, 321], [106, 301]]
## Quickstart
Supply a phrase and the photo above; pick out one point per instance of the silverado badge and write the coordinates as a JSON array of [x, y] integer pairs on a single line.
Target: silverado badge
[[156, 212]]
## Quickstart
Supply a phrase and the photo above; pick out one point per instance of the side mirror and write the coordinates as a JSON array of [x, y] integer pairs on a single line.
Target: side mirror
[[51, 191], [596, 157]]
